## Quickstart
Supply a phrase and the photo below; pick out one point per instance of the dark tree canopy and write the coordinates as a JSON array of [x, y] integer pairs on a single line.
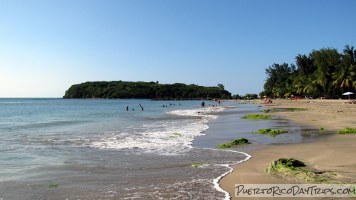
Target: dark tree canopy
[[144, 90], [322, 73]]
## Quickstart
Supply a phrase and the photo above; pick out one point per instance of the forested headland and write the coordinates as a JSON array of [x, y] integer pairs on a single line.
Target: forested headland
[[322, 73], [145, 90]]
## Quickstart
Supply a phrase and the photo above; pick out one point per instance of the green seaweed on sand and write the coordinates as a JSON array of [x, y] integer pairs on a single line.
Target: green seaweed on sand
[[175, 135], [267, 110], [272, 132], [257, 117], [347, 131], [322, 129], [53, 185], [196, 165], [289, 167], [234, 143]]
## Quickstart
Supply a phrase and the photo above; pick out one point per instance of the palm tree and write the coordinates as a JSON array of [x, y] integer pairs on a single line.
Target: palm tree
[[350, 57], [344, 75], [304, 64], [311, 87], [326, 60]]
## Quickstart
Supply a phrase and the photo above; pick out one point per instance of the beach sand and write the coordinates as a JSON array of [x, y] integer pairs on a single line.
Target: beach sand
[[335, 153]]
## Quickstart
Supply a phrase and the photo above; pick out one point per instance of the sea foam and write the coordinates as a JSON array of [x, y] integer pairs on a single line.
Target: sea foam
[[161, 137]]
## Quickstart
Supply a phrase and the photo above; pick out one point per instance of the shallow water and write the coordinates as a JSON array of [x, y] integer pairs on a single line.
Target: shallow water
[[95, 149]]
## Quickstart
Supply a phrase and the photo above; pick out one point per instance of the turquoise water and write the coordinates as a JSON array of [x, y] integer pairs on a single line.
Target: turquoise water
[[37, 132], [96, 149]]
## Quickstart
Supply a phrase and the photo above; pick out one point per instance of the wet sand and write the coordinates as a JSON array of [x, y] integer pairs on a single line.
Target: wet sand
[[333, 154]]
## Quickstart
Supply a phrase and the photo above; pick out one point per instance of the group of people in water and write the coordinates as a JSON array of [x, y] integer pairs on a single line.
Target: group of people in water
[[166, 106], [133, 109], [203, 103]]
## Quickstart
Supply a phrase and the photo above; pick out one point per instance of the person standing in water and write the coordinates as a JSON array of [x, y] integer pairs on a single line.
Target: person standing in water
[[202, 104], [127, 108], [141, 107]]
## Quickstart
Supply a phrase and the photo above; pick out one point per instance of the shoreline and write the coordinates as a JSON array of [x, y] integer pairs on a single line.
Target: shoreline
[[217, 180], [330, 115]]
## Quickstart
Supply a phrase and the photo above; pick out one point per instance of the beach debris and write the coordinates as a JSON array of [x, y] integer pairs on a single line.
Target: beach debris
[[351, 102], [234, 143]]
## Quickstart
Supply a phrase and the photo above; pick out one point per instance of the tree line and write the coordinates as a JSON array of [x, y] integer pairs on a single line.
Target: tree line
[[322, 73], [145, 90]]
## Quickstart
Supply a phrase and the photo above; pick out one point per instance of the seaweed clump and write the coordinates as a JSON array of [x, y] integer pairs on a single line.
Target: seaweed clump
[[289, 167], [347, 131], [257, 117], [272, 132], [53, 185], [175, 135], [267, 110], [197, 165], [234, 143]]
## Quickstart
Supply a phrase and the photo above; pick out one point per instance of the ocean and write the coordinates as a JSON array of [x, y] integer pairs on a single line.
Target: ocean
[[114, 149]]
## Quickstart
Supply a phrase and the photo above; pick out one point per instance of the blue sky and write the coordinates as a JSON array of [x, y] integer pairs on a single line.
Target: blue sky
[[46, 46]]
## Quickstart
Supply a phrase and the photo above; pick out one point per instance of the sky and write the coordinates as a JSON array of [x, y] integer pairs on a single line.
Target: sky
[[47, 46]]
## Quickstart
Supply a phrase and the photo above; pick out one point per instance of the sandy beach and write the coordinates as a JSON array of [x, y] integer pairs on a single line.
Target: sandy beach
[[333, 154]]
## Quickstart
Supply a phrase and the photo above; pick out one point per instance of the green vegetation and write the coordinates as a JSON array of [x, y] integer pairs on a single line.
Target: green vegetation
[[196, 165], [289, 167], [175, 135], [322, 129], [348, 131], [272, 132], [53, 185], [257, 117], [247, 96], [144, 90], [234, 143], [323, 73]]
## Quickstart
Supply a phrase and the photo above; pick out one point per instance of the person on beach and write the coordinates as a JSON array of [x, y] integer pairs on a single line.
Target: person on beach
[[202, 104]]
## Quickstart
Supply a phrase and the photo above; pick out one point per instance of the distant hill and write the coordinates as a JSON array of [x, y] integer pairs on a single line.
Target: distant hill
[[144, 90]]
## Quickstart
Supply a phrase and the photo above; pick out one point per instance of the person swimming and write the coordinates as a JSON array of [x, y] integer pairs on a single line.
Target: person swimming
[[202, 104]]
